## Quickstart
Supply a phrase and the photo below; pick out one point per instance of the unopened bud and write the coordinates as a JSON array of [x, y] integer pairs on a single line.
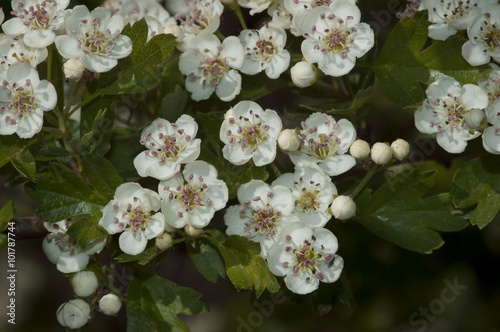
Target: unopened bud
[[175, 30], [73, 314], [476, 119], [84, 283], [359, 149], [164, 241], [381, 153], [192, 231], [303, 74], [343, 207], [110, 304], [288, 140], [73, 69], [400, 148]]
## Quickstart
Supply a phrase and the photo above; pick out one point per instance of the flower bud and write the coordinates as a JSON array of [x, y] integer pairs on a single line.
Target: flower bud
[[303, 74], [288, 140], [192, 231], [164, 241], [476, 119], [73, 314], [400, 148], [73, 69], [175, 30], [110, 304], [343, 207], [381, 153], [84, 283], [359, 149]]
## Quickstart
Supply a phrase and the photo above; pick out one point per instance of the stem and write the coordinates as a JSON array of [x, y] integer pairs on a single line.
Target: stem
[[240, 17], [364, 182], [49, 63], [220, 35], [70, 101], [275, 169], [75, 158], [83, 103]]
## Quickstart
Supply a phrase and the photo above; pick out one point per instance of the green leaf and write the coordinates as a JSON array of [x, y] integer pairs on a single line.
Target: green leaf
[[11, 145], [253, 173], [397, 67], [330, 292], [25, 164], [154, 304], [86, 230], [478, 182], [361, 98], [143, 258], [258, 86], [397, 213], [125, 147], [142, 70], [102, 175], [6, 214], [244, 267], [92, 119], [174, 104], [63, 195], [96, 141], [205, 256]]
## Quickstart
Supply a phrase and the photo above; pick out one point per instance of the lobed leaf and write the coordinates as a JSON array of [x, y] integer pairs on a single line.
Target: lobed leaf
[[206, 257]]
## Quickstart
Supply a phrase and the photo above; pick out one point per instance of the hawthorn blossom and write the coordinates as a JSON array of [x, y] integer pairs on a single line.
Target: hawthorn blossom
[[133, 212], [305, 257], [335, 37], [313, 192], [36, 21], [484, 42], [447, 17], [444, 113], [193, 197], [281, 17], [13, 50], [491, 139], [491, 85], [250, 133], [325, 142], [265, 50], [263, 211], [63, 251], [23, 99], [211, 66], [202, 16], [94, 38], [169, 145], [255, 6]]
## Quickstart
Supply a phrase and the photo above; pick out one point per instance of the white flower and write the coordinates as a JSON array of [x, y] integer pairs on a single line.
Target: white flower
[[256, 6], [179, 8], [73, 314], [84, 283], [343, 207], [211, 67], [13, 50], [94, 38], [447, 17], [324, 141], [110, 304], [2, 15], [303, 74], [133, 213], [23, 99], [400, 148], [483, 42], [360, 149], [265, 50], [443, 112], [281, 17], [202, 16], [250, 134], [193, 197], [63, 251], [491, 140], [493, 113], [381, 153], [263, 211], [313, 192], [335, 37], [35, 21], [298, 9], [305, 257], [169, 145], [491, 85]]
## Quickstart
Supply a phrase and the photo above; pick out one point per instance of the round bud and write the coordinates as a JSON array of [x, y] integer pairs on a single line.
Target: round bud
[[288, 140], [192, 231], [476, 119], [359, 149], [164, 241], [73, 69], [303, 74], [84, 283], [73, 314], [381, 153], [343, 207], [110, 304], [400, 148], [229, 114], [175, 30]]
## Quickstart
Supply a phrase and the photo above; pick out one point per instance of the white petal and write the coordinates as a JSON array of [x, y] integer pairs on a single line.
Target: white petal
[[424, 116], [301, 283], [170, 210], [453, 140], [51, 250], [276, 256], [122, 47], [491, 140], [255, 188], [229, 86], [337, 165], [331, 273], [441, 31], [233, 52], [278, 64], [155, 226], [68, 47], [474, 97], [335, 64], [14, 27], [132, 244], [46, 96], [198, 90], [283, 200], [68, 263], [347, 134], [475, 53], [98, 63], [39, 38], [29, 125], [236, 155], [265, 153]]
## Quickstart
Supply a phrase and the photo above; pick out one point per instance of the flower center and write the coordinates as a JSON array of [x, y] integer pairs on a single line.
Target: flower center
[[166, 147], [189, 194], [93, 41], [493, 88], [452, 112], [251, 132], [313, 4], [136, 216], [309, 197], [319, 145], [264, 50], [21, 103], [490, 34], [264, 219], [64, 242], [36, 17], [335, 38], [211, 68], [200, 16]]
